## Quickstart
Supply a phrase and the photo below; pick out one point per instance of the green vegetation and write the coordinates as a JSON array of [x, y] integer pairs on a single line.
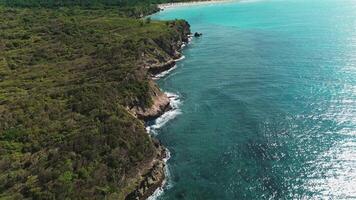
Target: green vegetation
[[125, 8], [67, 76], [84, 3], [128, 8]]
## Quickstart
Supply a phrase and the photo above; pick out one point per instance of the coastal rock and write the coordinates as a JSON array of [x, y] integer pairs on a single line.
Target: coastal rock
[[196, 34], [152, 178], [157, 61], [151, 175], [161, 104], [158, 68], [162, 59]]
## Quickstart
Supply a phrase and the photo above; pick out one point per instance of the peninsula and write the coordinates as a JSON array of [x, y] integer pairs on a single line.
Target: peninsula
[[75, 92]]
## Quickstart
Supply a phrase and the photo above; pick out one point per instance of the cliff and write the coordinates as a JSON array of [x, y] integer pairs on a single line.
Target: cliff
[[151, 175], [156, 60], [75, 86]]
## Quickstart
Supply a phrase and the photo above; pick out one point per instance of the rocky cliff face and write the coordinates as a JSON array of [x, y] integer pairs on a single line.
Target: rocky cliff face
[[160, 104], [157, 60], [65, 129], [160, 58], [151, 176]]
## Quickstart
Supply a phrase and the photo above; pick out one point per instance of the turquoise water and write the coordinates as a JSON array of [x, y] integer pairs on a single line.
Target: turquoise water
[[268, 102]]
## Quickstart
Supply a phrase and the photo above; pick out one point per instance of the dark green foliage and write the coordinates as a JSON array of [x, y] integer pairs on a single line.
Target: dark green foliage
[[148, 20], [66, 78], [94, 3], [82, 3], [127, 8]]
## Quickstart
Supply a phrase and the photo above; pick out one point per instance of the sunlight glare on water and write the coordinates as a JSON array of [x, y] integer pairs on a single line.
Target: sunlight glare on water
[[268, 102]]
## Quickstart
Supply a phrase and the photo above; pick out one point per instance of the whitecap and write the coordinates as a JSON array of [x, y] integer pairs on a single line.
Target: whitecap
[[164, 73], [158, 123], [190, 38], [161, 121], [181, 58], [167, 116], [166, 184]]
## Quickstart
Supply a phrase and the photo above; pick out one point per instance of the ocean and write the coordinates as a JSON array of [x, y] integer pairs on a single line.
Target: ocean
[[265, 102]]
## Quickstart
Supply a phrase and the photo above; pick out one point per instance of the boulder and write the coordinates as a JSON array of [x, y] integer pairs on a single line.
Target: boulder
[[196, 34]]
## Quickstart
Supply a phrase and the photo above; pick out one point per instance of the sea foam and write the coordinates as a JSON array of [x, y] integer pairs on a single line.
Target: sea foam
[[175, 102], [165, 73], [152, 129], [166, 183], [167, 116]]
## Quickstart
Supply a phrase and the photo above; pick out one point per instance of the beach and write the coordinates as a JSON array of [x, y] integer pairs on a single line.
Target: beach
[[192, 3]]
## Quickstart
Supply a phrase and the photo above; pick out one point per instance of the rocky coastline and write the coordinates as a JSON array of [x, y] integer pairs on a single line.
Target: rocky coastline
[[189, 3], [152, 174], [76, 129]]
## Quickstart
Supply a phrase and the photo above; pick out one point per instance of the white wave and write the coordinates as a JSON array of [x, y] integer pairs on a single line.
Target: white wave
[[166, 184], [156, 194], [161, 121], [167, 116], [190, 38], [184, 44], [181, 58], [249, 1], [168, 156], [164, 73], [148, 129]]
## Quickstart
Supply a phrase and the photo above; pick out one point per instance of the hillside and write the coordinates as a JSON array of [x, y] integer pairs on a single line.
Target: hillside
[[72, 81], [126, 8]]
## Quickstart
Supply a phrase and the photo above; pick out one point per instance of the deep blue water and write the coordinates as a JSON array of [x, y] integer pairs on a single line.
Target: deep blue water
[[268, 102]]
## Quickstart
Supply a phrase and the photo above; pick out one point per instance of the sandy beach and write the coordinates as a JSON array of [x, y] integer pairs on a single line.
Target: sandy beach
[[179, 4]]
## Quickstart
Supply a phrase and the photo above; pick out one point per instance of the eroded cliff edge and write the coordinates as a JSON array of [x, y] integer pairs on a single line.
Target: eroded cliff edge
[[156, 60], [75, 88], [152, 175]]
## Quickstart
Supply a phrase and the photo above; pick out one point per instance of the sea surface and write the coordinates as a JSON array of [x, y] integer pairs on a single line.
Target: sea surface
[[266, 102]]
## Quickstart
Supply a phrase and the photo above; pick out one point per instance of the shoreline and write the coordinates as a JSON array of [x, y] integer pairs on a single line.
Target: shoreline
[[152, 179], [167, 115], [171, 113], [191, 3]]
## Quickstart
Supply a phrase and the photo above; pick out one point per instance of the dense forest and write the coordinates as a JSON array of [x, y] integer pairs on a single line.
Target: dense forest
[[85, 3], [93, 3], [67, 76], [126, 8]]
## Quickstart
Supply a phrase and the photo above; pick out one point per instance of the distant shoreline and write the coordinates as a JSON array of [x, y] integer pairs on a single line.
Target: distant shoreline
[[179, 4]]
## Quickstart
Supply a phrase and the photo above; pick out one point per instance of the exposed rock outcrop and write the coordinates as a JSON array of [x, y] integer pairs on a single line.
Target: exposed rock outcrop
[[159, 60], [158, 68], [152, 176], [196, 34], [160, 105]]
